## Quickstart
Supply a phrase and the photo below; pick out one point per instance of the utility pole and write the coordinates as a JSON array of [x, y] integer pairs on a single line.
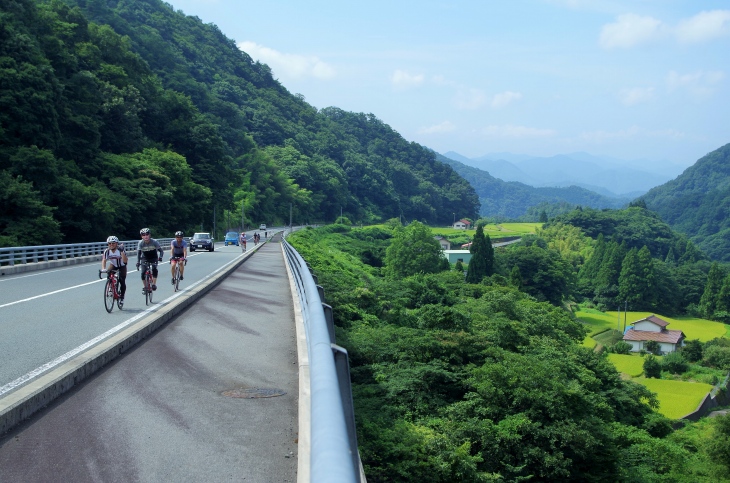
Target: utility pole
[[618, 322], [626, 308], [290, 215]]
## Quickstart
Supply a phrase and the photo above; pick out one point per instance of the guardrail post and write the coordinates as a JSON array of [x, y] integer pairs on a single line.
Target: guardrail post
[[342, 366], [320, 292], [330, 319]]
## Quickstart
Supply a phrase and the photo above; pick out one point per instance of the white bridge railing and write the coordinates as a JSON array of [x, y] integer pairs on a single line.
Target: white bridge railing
[[45, 253]]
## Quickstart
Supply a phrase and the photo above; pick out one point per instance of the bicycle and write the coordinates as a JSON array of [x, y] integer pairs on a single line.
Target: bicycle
[[176, 276], [147, 290], [111, 290]]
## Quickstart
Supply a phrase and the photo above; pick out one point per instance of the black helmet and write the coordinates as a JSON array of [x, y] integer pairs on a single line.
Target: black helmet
[[144, 231], [178, 233]]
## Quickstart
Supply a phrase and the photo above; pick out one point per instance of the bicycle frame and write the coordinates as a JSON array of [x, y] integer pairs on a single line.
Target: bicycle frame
[[111, 290]]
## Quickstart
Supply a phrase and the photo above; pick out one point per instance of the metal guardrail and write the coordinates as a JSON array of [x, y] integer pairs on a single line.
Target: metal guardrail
[[44, 253], [334, 456]]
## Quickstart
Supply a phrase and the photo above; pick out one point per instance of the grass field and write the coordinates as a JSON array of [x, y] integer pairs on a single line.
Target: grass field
[[676, 398], [494, 230], [633, 365]]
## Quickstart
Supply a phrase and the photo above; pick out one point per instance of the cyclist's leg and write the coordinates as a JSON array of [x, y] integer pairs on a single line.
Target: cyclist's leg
[[173, 263], [154, 276], [122, 274]]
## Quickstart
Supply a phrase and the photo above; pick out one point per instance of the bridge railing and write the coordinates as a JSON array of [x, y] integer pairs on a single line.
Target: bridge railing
[[45, 253], [334, 455]]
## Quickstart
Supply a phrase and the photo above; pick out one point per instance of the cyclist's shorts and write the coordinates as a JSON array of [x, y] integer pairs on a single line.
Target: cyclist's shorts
[[144, 266]]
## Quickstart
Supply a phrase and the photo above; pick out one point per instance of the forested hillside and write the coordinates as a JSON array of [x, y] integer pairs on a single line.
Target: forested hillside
[[511, 199], [487, 380], [696, 203], [118, 115]]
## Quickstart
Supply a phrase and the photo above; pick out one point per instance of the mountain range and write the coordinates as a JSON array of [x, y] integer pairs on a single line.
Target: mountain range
[[604, 175]]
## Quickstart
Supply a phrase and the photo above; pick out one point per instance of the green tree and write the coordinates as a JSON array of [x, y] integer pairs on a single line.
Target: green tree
[[692, 350], [636, 282], [711, 295], [652, 367], [482, 257], [413, 250]]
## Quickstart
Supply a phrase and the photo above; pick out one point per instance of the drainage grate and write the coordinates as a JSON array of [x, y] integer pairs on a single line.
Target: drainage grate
[[253, 392]]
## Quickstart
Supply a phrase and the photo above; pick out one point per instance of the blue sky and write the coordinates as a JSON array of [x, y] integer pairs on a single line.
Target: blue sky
[[640, 79]]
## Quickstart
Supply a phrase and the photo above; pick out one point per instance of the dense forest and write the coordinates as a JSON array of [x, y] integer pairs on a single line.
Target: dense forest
[[482, 376], [116, 115], [696, 203], [509, 200]]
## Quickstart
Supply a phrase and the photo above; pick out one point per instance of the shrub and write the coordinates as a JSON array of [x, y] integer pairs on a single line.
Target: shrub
[[692, 350], [652, 367], [717, 356], [654, 347], [620, 347], [675, 363]]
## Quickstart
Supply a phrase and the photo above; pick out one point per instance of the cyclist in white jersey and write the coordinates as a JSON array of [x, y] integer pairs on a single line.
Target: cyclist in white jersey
[[116, 258]]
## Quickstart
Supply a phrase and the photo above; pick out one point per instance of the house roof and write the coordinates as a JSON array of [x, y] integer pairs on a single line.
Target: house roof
[[668, 336], [466, 222], [654, 319]]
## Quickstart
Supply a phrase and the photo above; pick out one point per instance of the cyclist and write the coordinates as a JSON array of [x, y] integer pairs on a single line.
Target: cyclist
[[243, 241], [147, 251], [117, 258], [178, 250]]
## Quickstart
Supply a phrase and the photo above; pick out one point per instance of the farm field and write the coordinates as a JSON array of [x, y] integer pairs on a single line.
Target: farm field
[[628, 364], [676, 398], [494, 230]]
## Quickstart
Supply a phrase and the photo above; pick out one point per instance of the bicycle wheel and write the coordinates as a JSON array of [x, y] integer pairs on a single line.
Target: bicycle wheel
[[109, 295], [149, 287], [177, 277]]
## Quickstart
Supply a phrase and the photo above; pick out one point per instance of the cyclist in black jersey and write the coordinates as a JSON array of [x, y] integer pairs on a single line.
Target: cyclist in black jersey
[[178, 250], [147, 251]]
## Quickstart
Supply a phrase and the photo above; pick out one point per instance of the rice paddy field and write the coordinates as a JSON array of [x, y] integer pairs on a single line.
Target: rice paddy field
[[676, 398], [632, 365], [494, 230]]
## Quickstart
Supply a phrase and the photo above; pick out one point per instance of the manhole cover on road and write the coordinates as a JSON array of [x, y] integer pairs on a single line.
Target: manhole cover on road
[[253, 392]]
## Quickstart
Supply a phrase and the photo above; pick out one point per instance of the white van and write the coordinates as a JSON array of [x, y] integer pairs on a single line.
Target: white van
[[262, 226]]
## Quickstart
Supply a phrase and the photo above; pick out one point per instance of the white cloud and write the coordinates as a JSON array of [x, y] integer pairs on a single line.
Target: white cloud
[[636, 95], [629, 134], [446, 126], [510, 131], [469, 99], [289, 66], [504, 98], [704, 26], [403, 80], [699, 84], [629, 30]]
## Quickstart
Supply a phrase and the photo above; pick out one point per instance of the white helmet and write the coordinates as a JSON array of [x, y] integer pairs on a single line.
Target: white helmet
[[112, 239]]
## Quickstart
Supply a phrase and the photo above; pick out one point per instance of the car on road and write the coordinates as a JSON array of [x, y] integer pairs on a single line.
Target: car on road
[[231, 239], [262, 226], [202, 241]]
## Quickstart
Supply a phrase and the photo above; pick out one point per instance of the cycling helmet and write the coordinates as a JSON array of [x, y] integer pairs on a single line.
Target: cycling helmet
[[144, 231], [178, 233], [112, 239]]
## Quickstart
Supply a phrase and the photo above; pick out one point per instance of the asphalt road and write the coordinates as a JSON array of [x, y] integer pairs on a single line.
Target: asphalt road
[[210, 396], [46, 314]]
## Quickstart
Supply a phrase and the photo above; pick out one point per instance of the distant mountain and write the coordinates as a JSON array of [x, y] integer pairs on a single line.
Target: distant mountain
[[697, 203], [512, 199], [608, 176]]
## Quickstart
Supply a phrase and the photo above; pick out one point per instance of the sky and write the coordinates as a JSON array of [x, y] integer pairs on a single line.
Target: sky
[[644, 80]]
